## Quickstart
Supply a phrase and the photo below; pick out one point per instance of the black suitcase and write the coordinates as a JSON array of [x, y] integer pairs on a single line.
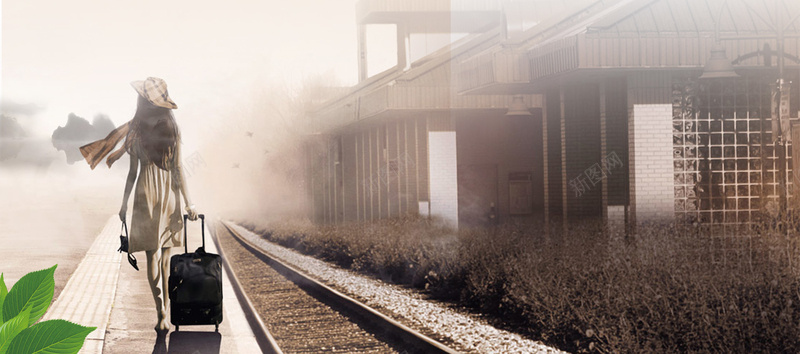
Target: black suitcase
[[195, 285]]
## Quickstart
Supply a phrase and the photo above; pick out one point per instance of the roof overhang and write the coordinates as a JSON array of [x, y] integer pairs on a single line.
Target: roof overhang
[[400, 101], [494, 72], [506, 70]]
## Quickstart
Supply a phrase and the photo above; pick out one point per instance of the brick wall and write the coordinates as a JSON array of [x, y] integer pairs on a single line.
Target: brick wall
[[443, 175], [553, 151], [616, 101], [582, 150], [650, 139]]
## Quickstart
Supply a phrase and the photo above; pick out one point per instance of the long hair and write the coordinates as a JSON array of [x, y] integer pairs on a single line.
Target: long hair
[[157, 141]]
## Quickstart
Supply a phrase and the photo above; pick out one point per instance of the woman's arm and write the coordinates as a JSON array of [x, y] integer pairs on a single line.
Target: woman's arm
[[132, 172], [181, 181]]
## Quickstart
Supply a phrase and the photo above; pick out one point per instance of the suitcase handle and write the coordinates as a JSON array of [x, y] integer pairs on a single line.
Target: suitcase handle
[[202, 231]]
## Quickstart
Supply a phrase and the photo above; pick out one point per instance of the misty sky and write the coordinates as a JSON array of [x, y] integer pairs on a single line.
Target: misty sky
[[80, 55]]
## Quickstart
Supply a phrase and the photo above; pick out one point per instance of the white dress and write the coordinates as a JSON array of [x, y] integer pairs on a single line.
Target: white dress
[[155, 205]]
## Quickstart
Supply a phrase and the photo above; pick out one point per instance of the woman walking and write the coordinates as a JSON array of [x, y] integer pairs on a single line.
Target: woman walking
[[152, 140]]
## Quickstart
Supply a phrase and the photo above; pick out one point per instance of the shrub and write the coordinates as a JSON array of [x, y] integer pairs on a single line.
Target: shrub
[[670, 288]]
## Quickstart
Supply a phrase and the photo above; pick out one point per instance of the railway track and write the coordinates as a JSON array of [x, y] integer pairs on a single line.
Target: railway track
[[293, 313]]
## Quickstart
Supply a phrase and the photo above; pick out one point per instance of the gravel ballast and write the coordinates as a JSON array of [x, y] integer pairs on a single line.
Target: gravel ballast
[[466, 331], [299, 322]]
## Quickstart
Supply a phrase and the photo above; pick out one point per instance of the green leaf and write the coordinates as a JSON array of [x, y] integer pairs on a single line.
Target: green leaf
[[3, 292], [11, 328], [54, 336], [3, 288], [34, 290]]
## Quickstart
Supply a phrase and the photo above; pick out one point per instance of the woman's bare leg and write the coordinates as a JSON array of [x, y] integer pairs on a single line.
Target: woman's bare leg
[[166, 254], [154, 277]]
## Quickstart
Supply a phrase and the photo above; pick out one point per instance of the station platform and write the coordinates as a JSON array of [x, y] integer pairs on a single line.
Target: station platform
[[105, 292]]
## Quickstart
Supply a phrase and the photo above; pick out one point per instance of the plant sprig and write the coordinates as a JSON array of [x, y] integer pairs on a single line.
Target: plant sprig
[[23, 306]]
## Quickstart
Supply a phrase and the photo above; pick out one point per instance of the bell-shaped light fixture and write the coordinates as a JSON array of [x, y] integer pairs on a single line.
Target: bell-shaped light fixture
[[718, 65], [518, 108]]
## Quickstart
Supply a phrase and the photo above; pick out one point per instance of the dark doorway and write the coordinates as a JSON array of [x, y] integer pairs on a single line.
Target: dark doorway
[[477, 194]]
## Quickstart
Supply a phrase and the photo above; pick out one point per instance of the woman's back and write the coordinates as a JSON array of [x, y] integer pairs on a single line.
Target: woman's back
[[154, 137]]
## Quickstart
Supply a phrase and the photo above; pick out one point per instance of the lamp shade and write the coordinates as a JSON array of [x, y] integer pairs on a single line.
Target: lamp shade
[[718, 65], [518, 107]]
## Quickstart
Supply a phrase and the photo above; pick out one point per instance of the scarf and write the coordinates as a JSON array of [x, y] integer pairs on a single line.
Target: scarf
[[95, 152]]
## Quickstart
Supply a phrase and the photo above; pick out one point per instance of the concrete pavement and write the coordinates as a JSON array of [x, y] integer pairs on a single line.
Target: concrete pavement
[[106, 292]]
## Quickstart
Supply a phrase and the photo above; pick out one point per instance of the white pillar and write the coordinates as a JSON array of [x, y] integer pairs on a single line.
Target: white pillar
[[651, 166], [443, 177]]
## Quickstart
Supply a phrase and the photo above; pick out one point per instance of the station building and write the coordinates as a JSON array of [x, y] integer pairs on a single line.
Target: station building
[[532, 111]]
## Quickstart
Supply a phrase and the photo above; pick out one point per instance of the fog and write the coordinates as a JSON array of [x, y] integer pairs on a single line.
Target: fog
[[248, 162], [242, 160], [237, 73]]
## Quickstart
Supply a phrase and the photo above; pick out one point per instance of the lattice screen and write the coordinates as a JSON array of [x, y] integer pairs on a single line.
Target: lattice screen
[[725, 163]]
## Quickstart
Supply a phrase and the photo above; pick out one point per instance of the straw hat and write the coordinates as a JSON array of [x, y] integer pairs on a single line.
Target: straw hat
[[154, 90]]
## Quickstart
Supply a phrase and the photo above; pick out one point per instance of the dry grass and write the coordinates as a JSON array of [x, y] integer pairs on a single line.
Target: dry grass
[[669, 289]]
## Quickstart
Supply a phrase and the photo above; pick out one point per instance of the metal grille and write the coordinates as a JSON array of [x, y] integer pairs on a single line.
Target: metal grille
[[724, 158]]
